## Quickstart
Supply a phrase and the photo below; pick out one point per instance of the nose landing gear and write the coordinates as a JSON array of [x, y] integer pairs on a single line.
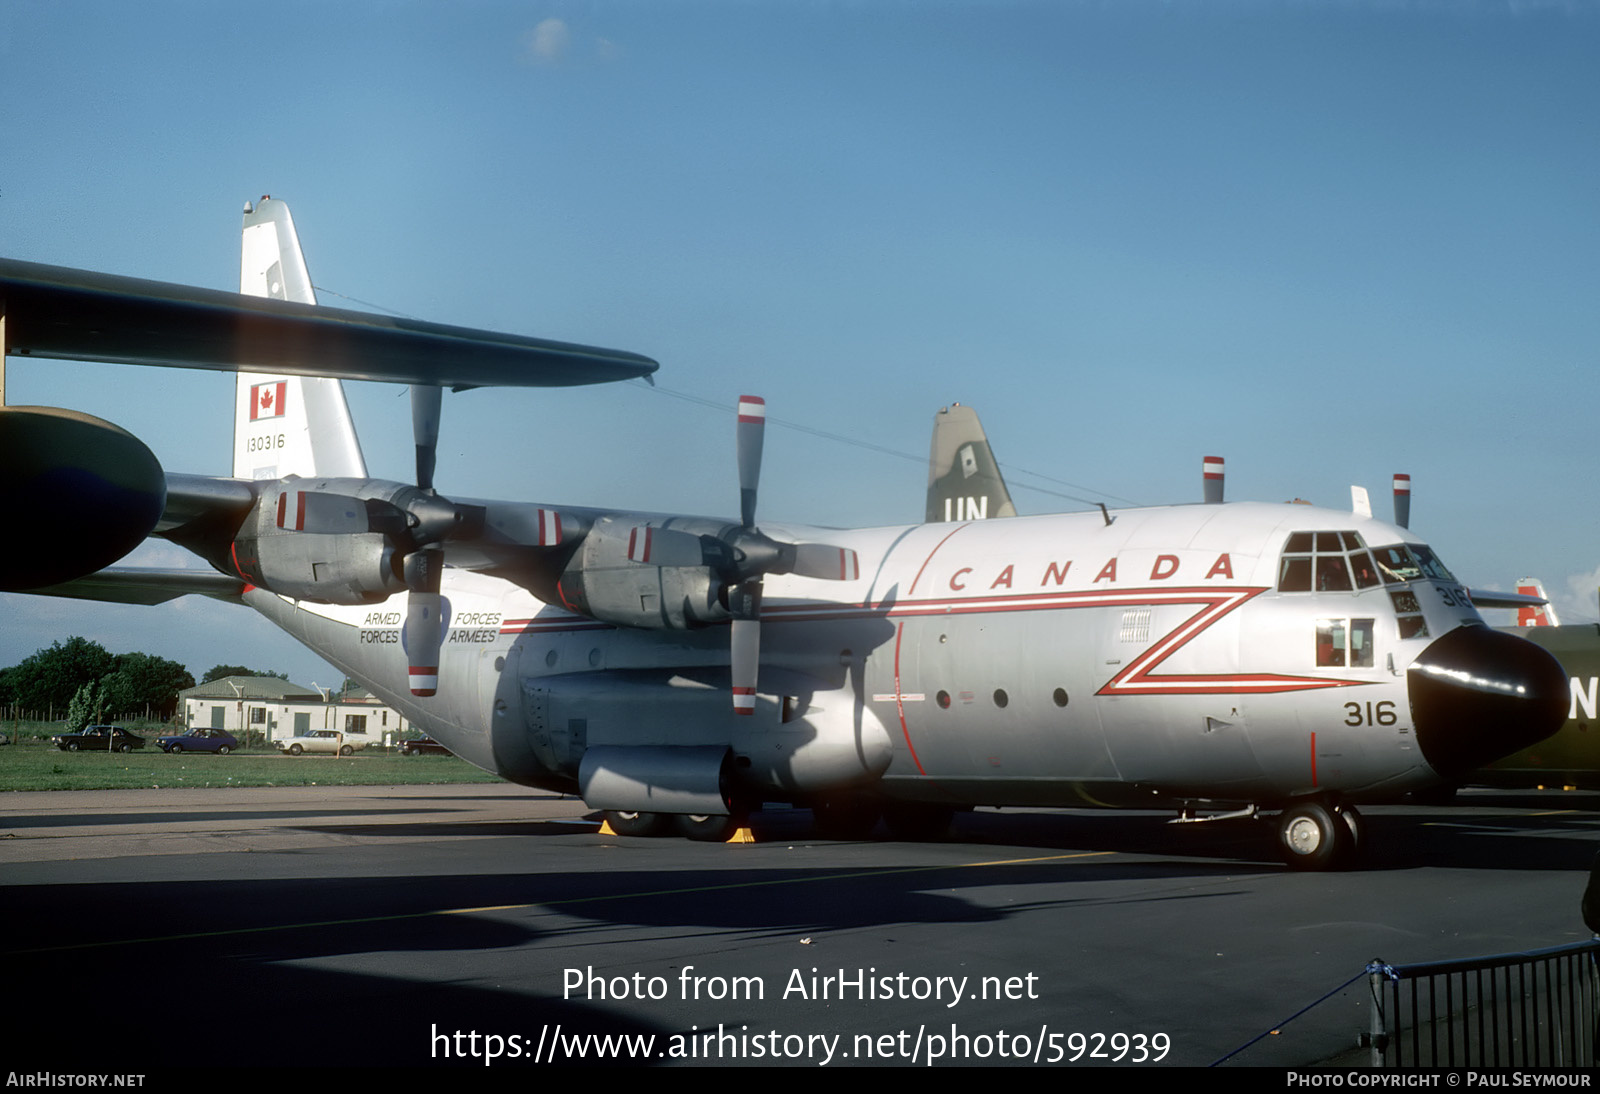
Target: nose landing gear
[[1315, 836]]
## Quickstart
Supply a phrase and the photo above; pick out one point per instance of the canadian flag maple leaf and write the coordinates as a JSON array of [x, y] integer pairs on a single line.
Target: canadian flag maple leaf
[[267, 400]]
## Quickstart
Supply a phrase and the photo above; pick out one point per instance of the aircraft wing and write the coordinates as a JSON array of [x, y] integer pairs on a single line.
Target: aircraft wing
[[79, 315], [129, 585]]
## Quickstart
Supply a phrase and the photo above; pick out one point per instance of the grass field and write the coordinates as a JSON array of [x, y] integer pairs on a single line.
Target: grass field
[[34, 764]]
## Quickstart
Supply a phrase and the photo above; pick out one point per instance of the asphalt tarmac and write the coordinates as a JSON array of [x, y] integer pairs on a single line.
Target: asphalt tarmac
[[488, 927]]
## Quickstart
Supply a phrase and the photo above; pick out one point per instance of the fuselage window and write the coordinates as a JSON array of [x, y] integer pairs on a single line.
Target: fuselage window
[[1344, 643]]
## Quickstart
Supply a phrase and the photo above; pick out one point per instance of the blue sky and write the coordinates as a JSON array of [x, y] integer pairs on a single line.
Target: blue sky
[[1326, 241]]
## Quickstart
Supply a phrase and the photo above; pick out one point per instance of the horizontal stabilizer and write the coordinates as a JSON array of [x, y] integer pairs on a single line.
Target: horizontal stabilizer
[[128, 585], [78, 315], [1482, 598]]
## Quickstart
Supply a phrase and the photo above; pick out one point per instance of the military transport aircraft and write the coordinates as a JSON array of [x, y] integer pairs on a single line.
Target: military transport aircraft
[[681, 670], [964, 479]]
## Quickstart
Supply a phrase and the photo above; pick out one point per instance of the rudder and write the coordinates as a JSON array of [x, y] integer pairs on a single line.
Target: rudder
[[287, 425]]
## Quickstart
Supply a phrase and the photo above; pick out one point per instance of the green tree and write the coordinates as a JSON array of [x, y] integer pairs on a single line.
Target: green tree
[[217, 672], [143, 680], [50, 678], [86, 706]]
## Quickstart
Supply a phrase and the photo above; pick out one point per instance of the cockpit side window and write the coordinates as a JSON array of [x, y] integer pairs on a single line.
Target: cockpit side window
[[1430, 562], [1396, 564], [1408, 614]]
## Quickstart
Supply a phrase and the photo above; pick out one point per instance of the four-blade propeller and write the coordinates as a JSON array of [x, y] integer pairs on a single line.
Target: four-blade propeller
[[742, 556]]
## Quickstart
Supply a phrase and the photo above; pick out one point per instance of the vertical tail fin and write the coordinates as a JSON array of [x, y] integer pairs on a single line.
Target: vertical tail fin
[[1529, 616], [287, 425], [964, 481]]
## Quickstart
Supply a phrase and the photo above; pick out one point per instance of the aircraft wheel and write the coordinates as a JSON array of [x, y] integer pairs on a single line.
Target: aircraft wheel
[[625, 823], [223, 750], [1352, 836], [845, 816], [918, 822], [707, 827], [347, 751], [295, 750], [1311, 838]]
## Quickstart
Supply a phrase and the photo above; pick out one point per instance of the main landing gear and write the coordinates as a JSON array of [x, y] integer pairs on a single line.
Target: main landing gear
[[1315, 836], [703, 828]]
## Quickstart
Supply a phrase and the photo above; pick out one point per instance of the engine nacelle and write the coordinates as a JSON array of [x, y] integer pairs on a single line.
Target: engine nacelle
[[603, 582], [330, 541], [78, 494]]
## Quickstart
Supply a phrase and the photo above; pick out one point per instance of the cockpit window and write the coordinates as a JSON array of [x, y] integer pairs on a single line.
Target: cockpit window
[[1408, 562], [1430, 562], [1408, 614], [1325, 562], [1396, 564]]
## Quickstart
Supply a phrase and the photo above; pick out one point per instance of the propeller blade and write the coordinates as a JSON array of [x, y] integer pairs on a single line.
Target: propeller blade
[[426, 403], [1212, 480], [422, 634], [820, 560], [549, 528], [665, 547], [751, 432], [1402, 500], [746, 657]]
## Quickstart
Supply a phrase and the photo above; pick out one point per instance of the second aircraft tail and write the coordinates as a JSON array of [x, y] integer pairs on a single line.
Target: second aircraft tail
[[964, 481]]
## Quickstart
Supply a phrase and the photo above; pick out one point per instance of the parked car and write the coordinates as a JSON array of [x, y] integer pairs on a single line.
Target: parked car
[[99, 738], [200, 740], [422, 745], [326, 741]]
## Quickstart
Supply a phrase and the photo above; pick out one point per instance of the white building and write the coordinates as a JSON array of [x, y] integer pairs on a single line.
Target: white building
[[277, 709]]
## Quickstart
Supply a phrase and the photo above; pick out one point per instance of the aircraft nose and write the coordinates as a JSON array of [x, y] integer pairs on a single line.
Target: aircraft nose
[[1479, 694]]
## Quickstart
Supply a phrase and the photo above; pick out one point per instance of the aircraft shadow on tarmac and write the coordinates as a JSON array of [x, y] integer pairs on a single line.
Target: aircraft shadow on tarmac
[[245, 951], [1468, 835]]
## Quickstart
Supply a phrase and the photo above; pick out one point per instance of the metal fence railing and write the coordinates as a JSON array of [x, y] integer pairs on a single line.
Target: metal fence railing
[[1534, 1009]]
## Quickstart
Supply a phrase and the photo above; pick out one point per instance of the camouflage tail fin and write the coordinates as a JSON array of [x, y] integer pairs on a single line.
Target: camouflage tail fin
[[964, 481], [286, 425]]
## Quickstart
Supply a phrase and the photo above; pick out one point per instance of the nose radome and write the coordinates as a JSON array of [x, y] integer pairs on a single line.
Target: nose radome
[[1479, 694]]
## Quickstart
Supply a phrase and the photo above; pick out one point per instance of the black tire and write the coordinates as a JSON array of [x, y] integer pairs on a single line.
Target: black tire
[[347, 751], [845, 816], [1352, 836], [707, 827], [71, 746], [626, 823], [918, 822], [124, 747], [223, 750], [295, 750], [1311, 838], [174, 747]]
